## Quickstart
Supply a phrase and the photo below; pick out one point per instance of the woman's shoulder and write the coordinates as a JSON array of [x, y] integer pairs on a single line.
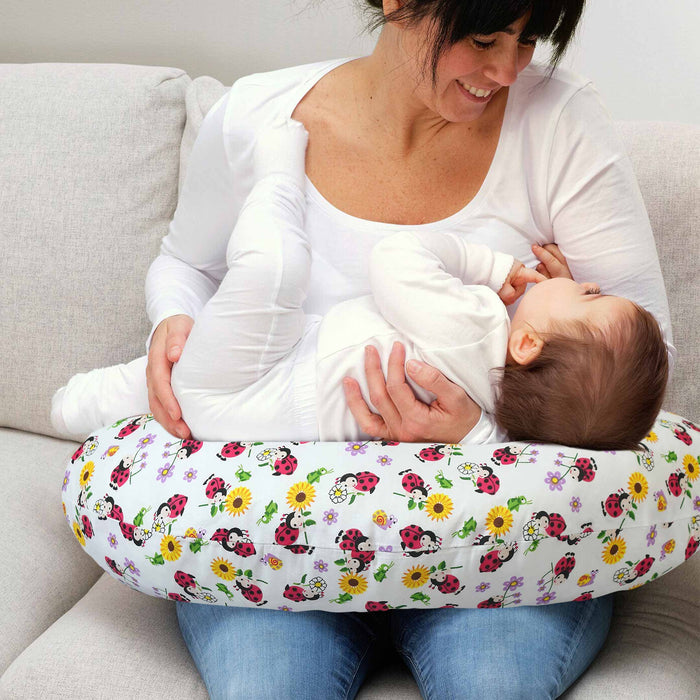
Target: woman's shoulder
[[261, 96]]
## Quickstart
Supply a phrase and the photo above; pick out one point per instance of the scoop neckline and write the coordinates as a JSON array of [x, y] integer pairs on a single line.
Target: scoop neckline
[[468, 209]]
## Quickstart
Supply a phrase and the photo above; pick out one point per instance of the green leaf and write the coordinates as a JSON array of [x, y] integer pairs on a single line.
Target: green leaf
[[411, 504], [631, 514], [303, 579], [352, 500], [213, 510], [442, 566], [309, 522], [629, 563], [248, 573], [339, 562]]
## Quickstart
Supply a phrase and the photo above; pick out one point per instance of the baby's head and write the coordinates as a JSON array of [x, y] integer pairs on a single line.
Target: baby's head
[[583, 369]]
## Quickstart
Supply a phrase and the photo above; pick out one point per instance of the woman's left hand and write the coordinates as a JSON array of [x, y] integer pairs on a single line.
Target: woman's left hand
[[401, 415]]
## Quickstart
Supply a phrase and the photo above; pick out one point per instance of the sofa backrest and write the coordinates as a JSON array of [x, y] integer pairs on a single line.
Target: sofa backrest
[[90, 156]]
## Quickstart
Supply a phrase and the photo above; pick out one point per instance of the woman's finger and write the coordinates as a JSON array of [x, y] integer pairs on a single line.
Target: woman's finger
[[370, 423], [399, 390], [378, 394]]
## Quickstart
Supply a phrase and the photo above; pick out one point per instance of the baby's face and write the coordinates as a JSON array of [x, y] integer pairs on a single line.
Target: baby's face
[[559, 299]]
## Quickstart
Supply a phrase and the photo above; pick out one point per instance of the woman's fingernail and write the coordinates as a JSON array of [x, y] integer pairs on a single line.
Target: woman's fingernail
[[173, 415], [413, 366]]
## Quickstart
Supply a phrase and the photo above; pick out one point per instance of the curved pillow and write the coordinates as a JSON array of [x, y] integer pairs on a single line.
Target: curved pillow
[[377, 525]]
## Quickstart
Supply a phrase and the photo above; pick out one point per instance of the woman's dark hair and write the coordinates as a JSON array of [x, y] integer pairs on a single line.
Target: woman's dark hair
[[452, 21]]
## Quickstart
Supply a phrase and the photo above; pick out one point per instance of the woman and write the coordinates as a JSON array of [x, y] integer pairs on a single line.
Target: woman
[[444, 126]]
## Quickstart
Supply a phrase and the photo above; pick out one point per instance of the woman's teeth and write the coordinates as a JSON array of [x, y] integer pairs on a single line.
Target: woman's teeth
[[477, 92]]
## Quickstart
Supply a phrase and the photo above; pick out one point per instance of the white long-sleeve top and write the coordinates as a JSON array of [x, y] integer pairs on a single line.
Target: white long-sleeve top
[[435, 293], [559, 174]]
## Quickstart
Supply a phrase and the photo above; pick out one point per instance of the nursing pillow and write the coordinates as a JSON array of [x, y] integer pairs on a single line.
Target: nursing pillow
[[355, 526]]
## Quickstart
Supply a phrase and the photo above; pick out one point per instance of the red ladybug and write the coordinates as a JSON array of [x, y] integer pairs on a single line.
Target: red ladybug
[[299, 594], [89, 445], [390, 443], [432, 454], [177, 597], [231, 450], [362, 481], [249, 590], [644, 565], [133, 534], [114, 566], [493, 602], [677, 483], [616, 504], [691, 547], [496, 558], [692, 426], [552, 523], [286, 463], [120, 473], [132, 427], [87, 527], [584, 469], [215, 487], [234, 540], [445, 583], [505, 455], [418, 541], [188, 448], [584, 596], [353, 539], [376, 606], [174, 507], [358, 560], [683, 435], [110, 510], [414, 485], [487, 481], [564, 567], [186, 581], [288, 531]]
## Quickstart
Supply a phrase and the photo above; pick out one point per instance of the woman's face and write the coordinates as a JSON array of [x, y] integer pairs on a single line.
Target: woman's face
[[478, 64]]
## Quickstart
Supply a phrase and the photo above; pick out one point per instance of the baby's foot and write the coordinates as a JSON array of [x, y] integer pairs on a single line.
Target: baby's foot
[[281, 148]]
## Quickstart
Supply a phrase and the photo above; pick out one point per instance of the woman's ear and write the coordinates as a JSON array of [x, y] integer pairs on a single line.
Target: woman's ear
[[391, 6], [524, 345]]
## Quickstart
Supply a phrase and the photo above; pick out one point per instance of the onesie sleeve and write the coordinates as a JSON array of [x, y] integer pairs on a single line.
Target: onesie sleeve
[[192, 260], [438, 289], [597, 213]]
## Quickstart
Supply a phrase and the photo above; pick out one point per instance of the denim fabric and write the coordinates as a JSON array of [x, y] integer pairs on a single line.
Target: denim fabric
[[528, 652]]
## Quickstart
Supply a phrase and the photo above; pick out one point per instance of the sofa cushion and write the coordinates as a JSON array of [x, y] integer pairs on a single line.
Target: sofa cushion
[[89, 161], [666, 161], [44, 570]]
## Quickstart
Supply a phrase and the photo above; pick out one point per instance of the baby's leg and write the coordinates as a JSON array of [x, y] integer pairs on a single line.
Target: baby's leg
[[255, 318], [100, 397]]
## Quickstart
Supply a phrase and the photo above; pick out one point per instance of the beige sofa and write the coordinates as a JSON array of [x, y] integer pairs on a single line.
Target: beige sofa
[[91, 159]]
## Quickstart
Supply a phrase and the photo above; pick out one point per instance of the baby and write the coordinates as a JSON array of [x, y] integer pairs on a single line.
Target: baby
[[572, 367]]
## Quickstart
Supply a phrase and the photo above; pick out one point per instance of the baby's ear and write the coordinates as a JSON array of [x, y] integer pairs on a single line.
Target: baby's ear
[[524, 345]]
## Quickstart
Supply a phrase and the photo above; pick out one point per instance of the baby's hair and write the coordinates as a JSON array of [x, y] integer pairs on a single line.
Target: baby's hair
[[599, 388]]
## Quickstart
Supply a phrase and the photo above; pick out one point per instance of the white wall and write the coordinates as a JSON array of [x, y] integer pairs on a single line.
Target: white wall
[[643, 55]]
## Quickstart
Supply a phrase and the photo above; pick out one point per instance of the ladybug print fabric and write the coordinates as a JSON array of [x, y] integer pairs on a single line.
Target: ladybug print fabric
[[382, 525]]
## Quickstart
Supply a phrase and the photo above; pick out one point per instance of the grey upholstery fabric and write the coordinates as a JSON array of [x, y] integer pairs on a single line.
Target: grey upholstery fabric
[[89, 157]]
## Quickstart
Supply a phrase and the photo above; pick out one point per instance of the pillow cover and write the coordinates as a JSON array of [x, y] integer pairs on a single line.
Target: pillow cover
[[382, 525]]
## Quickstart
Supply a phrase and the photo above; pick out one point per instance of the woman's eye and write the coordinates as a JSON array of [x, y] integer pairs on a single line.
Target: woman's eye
[[531, 41], [482, 44]]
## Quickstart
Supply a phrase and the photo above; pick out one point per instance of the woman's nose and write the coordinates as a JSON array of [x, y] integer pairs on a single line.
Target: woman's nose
[[504, 65]]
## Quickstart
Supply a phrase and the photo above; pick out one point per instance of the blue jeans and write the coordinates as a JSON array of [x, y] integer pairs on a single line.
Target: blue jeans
[[528, 652]]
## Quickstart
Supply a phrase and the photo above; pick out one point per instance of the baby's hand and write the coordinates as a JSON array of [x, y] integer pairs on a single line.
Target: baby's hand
[[552, 261], [516, 282]]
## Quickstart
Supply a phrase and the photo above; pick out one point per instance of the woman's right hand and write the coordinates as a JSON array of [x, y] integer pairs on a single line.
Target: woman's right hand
[[166, 348]]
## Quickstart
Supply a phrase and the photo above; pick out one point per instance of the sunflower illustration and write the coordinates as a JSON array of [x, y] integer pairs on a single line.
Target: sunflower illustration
[[86, 473], [238, 500], [78, 534], [439, 506], [499, 520], [652, 437], [614, 550], [170, 548], [638, 486], [692, 471], [354, 584], [223, 569], [301, 495], [416, 577]]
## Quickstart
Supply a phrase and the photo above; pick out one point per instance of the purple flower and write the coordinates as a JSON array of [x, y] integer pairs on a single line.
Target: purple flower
[[384, 460], [482, 587], [113, 541], [555, 480], [321, 565], [560, 455], [388, 548], [131, 567], [651, 536], [146, 440], [66, 479], [165, 472], [165, 454], [534, 452], [513, 582], [356, 448], [696, 503], [330, 517], [557, 463], [575, 504], [284, 608], [546, 598], [190, 475]]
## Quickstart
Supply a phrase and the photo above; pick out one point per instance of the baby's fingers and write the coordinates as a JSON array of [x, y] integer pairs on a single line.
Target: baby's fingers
[[552, 258]]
